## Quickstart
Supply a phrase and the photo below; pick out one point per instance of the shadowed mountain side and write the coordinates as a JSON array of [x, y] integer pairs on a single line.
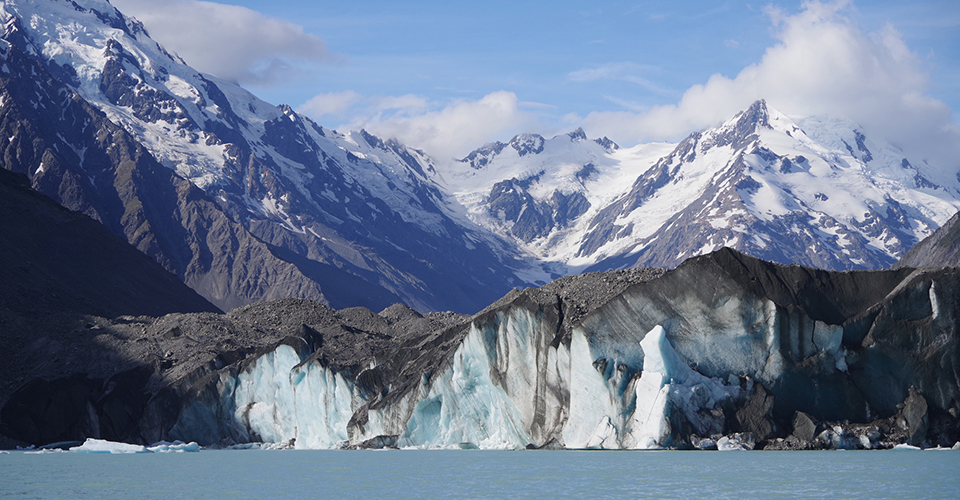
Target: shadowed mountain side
[[56, 267], [942, 248], [55, 260], [75, 154]]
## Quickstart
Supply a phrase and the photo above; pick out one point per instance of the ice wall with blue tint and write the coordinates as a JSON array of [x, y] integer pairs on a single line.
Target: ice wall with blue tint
[[506, 386], [636, 373]]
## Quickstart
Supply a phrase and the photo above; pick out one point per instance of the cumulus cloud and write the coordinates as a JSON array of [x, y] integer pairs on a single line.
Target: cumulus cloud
[[822, 63], [232, 42], [443, 130], [330, 104]]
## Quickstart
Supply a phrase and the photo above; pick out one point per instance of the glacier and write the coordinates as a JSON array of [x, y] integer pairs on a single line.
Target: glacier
[[505, 387], [725, 352]]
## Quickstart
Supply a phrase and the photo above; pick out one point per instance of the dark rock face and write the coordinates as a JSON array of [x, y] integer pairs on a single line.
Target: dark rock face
[[479, 158], [530, 219], [942, 248], [527, 144], [52, 259]]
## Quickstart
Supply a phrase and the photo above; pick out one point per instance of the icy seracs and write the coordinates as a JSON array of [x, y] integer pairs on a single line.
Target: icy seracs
[[724, 352], [505, 387]]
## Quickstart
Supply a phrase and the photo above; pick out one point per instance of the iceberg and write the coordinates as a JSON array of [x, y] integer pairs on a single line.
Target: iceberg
[[174, 447], [92, 445], [905, 446]]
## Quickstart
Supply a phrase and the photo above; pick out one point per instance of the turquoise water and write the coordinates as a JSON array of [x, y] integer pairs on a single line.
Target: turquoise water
[[483, 474]]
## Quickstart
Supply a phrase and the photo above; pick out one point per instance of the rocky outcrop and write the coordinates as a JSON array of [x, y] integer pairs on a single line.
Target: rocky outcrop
[[942, 248], [511, 203]]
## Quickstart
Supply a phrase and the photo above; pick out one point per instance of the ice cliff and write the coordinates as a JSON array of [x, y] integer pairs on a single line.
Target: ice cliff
[[726, 351]]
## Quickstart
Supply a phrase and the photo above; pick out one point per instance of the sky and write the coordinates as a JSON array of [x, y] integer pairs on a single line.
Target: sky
[[448, 77]]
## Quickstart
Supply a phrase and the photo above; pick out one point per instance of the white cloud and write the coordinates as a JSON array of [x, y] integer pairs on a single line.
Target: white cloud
[[229, 41], [622, 71], [447, 130], [823, 63], [333, 103], [406, 103]]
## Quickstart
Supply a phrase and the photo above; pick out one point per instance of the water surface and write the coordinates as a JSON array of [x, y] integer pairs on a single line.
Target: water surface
[[483, 474]]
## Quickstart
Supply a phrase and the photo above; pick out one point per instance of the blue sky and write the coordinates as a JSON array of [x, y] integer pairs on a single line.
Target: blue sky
[[635, 71]]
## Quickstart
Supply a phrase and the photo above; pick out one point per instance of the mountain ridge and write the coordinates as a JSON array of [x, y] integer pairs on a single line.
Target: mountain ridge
[[325, 211], [246, 201], [814, 191]]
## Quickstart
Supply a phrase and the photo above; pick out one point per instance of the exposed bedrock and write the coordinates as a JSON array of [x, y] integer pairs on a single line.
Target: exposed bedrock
[[725, 351]]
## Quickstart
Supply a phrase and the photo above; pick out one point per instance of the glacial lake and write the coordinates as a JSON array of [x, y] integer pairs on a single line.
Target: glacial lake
[[483, 474]]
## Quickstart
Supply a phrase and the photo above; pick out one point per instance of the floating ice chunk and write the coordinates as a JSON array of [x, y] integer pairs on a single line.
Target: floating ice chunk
[[905, 446], [703, 443], [956, 446], [103, 446], [174, 447], [736, 442]]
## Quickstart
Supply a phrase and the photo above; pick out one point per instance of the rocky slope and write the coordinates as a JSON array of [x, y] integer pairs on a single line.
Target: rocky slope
[[55, 260], [942, 248], [724, 351], [242, 200]]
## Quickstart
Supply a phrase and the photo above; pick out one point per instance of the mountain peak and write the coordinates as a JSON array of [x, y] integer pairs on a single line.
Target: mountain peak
[[755, 117], [740, 130], [578, 134], [528, 144]]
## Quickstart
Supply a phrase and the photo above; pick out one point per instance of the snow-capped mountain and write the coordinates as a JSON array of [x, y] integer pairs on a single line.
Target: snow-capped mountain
[[813, 191], [288, 207], [245, 201]]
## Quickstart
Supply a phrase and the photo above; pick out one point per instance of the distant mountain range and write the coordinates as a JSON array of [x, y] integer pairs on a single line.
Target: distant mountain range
[[246, 202], [812, 191]]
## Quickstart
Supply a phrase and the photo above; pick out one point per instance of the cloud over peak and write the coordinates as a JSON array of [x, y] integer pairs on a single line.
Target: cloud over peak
[[232, 42], [822, 63]]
